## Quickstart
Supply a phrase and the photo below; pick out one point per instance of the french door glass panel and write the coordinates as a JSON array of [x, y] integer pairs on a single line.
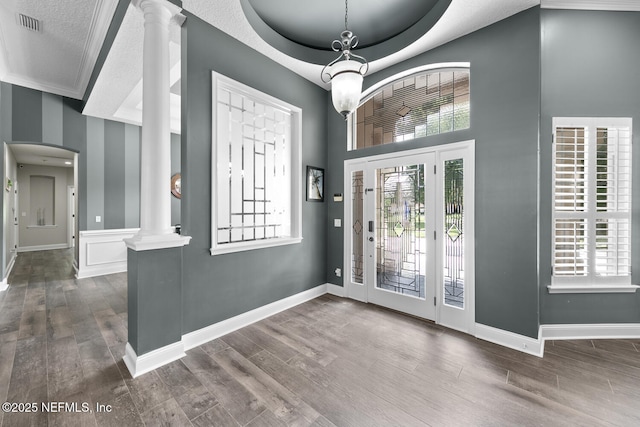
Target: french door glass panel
[[453, 206], [456, 308], [400, 233], [357, 225], [400, 252]]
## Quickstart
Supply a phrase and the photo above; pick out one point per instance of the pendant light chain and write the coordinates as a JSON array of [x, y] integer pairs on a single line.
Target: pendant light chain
[[346, 14]]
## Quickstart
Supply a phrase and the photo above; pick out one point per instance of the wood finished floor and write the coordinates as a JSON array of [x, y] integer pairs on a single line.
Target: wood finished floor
[[330, 361]]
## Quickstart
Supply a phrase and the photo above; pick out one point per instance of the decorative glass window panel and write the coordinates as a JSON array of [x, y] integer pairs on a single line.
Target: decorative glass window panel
[[424, 104], [357, 220], [453, 268], [400, 244], [256, 158], [592, 202]]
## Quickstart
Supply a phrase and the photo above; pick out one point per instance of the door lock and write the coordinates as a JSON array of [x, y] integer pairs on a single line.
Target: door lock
[[371, 239]]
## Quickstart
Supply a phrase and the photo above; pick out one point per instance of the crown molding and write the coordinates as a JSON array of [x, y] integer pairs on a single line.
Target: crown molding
[[614, 5], [100, 22]]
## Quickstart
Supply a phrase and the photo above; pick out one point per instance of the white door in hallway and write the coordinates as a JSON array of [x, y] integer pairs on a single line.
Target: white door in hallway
[[71, 216], [15, 228]]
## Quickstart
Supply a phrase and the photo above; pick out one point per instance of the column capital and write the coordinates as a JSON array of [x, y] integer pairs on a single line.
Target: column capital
[[161, 5]]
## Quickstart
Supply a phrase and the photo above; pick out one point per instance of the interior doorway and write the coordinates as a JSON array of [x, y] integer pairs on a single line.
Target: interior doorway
[[32, 219]]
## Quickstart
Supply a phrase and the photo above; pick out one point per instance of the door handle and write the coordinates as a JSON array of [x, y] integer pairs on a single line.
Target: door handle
[[370, 226]]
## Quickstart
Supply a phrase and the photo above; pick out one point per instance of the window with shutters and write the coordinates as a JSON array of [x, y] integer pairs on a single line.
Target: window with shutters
[[256, 183], [427, 103], [591, 205]]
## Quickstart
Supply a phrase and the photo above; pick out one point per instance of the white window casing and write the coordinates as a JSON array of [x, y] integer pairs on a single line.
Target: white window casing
[[256, 167], [591, 226]]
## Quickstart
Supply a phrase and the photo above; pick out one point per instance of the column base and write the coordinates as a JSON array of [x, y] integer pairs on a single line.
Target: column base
[[147, 242]]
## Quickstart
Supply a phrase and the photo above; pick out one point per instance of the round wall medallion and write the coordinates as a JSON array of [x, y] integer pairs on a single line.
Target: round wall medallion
[[176, 188]]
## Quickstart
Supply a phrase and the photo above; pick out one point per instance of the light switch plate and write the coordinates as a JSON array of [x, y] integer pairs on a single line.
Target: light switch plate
[[98, 218], [337, 222]]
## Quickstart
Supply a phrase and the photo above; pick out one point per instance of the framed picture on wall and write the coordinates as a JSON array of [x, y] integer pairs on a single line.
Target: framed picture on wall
[[315, 184]]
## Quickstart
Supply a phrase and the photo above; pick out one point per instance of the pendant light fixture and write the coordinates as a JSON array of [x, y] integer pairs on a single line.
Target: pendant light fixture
[[346, 72]]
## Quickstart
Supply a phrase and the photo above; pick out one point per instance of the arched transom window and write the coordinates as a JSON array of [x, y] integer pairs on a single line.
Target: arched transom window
[[423, 104]]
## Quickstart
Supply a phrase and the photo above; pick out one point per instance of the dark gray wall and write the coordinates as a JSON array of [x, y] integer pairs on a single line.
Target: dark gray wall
[[589, 69], [153, 322], [218, 287], [504, 123]]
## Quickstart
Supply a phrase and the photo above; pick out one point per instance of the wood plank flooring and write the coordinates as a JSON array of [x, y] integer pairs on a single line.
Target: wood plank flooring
[[328, 362]]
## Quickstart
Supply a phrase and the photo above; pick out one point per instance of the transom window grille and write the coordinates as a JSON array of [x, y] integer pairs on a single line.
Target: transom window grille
[[427, 103], [592, 201], [256, 150]]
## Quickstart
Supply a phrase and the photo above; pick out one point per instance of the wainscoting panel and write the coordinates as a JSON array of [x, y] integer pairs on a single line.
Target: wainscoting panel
[[103, 252]]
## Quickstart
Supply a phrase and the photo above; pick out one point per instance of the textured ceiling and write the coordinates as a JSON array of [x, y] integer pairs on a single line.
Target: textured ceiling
[[60, 57], [117, 93]]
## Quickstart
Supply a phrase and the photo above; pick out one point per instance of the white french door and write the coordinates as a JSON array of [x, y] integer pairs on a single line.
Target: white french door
[[409, 233]]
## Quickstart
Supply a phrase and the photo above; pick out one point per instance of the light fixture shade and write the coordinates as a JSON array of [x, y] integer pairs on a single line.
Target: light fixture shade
[[346, 86]]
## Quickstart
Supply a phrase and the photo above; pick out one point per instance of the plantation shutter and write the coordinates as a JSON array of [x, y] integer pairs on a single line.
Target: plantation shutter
[[591, 200]]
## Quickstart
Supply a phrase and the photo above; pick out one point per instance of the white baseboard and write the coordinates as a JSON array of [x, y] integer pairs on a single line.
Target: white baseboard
[[533, 346], [42, 247], [139, 365], [101, 270], [103, 252], [206, 334], [591, 332], [509, 339], [335, 290], [4, 284], [11, 263]]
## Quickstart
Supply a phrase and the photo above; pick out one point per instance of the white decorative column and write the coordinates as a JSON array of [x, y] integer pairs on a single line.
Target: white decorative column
[[154, 255], [156, 230]]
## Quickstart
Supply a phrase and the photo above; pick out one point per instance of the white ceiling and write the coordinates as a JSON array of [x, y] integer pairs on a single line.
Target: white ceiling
[[60, 57], [43, 155]]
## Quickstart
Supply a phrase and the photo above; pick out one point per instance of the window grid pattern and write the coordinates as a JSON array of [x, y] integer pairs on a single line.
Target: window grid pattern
[[424, 104], [453, 269], [592, 202], [255, 137]]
